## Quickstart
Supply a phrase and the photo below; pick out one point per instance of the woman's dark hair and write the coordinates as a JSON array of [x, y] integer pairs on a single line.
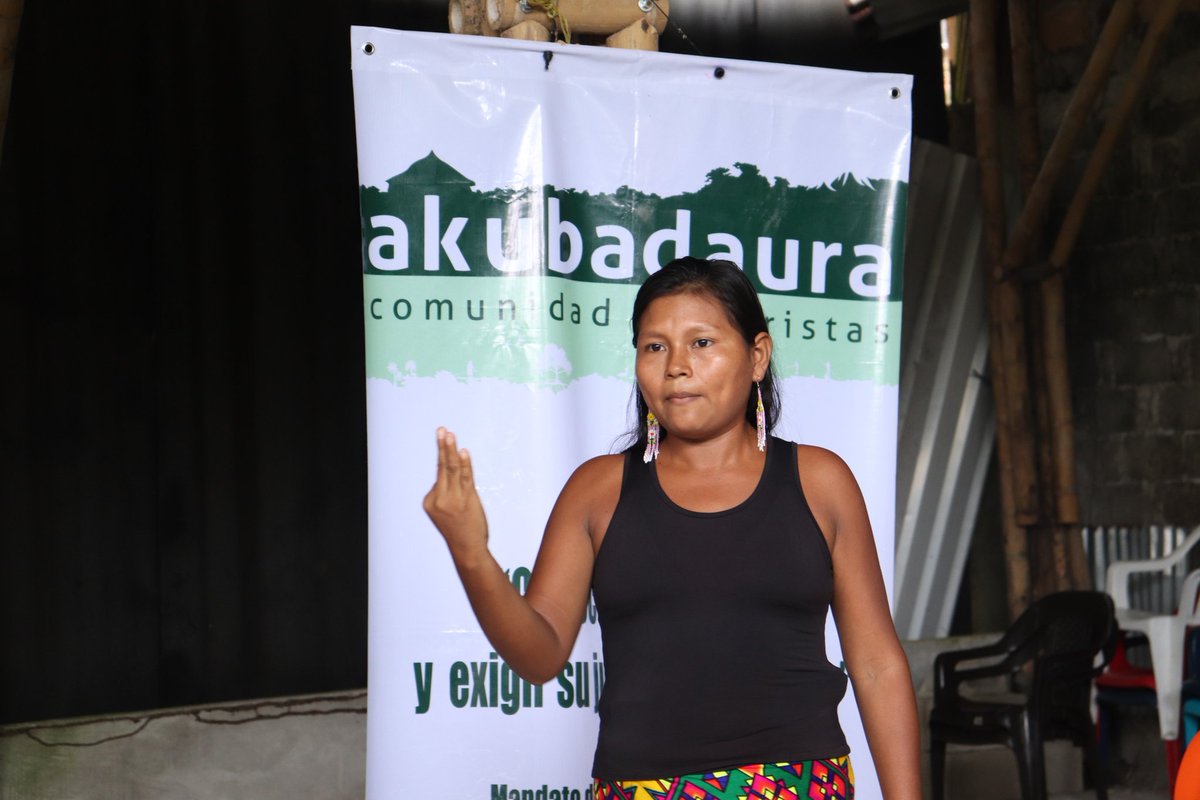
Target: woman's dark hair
[[725, 283]]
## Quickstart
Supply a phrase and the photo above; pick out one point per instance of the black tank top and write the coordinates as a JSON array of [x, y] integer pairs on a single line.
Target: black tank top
[[713, 629]]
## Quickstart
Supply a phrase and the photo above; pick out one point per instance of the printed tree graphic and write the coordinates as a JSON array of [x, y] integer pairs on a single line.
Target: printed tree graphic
[[398, 377], [553, 360]]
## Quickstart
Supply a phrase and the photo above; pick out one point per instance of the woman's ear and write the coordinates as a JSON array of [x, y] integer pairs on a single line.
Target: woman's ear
[[760, 353]]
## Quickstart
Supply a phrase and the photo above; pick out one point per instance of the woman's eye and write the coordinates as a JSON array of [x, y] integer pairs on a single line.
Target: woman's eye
[[703, 342], [654, 347]]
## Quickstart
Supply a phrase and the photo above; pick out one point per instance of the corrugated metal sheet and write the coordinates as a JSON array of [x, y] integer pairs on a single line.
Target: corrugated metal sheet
[[1148, 591], [946, 426]]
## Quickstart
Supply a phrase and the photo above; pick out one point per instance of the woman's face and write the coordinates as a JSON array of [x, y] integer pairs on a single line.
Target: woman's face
[[693, 366]]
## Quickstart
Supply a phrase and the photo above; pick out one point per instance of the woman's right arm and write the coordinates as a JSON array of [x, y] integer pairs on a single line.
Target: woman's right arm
[[533, 633]]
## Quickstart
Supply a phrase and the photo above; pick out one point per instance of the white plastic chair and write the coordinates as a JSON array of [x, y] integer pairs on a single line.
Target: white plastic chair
[[1164, 631]]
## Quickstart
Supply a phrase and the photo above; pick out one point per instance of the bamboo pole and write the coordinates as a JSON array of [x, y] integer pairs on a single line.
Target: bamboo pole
[[1043, 551], [528, 31], [1062, 431], [1031, 222], [638, 35], [1003, 312], [467, 16], [10, 24], [1029, 146], [1053, 306], [1114, 127], [1020, 26], [1058, 502], [603, 17]]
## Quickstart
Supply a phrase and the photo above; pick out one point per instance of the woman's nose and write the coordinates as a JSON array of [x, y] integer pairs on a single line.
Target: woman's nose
[[678, 364]]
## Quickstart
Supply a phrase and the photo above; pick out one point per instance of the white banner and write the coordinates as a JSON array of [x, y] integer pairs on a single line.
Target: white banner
[[513, 196]]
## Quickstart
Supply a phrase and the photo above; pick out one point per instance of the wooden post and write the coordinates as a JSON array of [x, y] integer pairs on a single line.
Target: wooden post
[[639, 35], [1009, 380], [603, 17], [10, 23], [1033, 216]]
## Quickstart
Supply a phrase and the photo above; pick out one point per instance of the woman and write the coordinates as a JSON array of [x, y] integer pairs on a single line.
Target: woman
[[713, 550]]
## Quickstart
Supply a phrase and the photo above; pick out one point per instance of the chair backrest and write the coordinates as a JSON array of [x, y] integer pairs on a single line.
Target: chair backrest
[[1077, 634], [1074, 623], [1153, 590], [1062, 622]]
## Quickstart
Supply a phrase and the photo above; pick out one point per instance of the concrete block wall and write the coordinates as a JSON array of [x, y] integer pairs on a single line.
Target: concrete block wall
[[295, 748], [1134, 282]]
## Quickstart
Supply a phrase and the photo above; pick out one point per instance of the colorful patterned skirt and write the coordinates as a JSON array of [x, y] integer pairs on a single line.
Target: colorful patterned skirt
[[824, 779]]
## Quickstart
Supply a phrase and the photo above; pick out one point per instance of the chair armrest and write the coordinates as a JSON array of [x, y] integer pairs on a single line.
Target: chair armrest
[[1189, 603], [947, 676]]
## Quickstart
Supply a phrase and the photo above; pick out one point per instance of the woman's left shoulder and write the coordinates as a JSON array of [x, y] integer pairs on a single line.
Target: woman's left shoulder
[[833, 495], [818, 463], [826, 479]]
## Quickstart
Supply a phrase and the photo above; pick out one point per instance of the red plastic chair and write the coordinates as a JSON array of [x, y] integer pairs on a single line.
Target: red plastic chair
[[1122, 684]]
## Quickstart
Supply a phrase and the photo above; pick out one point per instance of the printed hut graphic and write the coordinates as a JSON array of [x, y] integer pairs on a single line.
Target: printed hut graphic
[[841, 240]]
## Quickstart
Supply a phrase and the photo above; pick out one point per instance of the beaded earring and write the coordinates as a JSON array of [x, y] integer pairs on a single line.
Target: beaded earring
[[760, 419], [651, 438]]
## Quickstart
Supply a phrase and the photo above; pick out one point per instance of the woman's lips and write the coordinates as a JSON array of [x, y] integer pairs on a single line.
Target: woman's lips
[[680, 397]]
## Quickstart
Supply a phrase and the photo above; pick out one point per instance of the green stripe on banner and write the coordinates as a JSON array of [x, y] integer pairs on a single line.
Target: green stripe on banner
[[841, 240], [548, 333]]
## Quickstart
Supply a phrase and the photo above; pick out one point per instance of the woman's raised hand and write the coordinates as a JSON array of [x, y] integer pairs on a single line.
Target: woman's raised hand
[[453, 504]]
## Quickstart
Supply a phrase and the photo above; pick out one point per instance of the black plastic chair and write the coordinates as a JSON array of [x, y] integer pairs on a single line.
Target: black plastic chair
[[1049, 657]]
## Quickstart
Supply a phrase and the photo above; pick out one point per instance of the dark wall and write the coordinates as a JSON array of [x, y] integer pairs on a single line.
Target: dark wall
[[182, 468], [182, 428], [1134, 285]]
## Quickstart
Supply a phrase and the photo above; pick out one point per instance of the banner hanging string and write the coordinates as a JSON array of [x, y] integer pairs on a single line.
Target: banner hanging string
[[676, 26], [553, 12]]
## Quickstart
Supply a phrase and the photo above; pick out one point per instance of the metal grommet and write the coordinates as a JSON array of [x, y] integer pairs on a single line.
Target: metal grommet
[[895, 93], [368, 48], [645, 5], [719, 73]]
